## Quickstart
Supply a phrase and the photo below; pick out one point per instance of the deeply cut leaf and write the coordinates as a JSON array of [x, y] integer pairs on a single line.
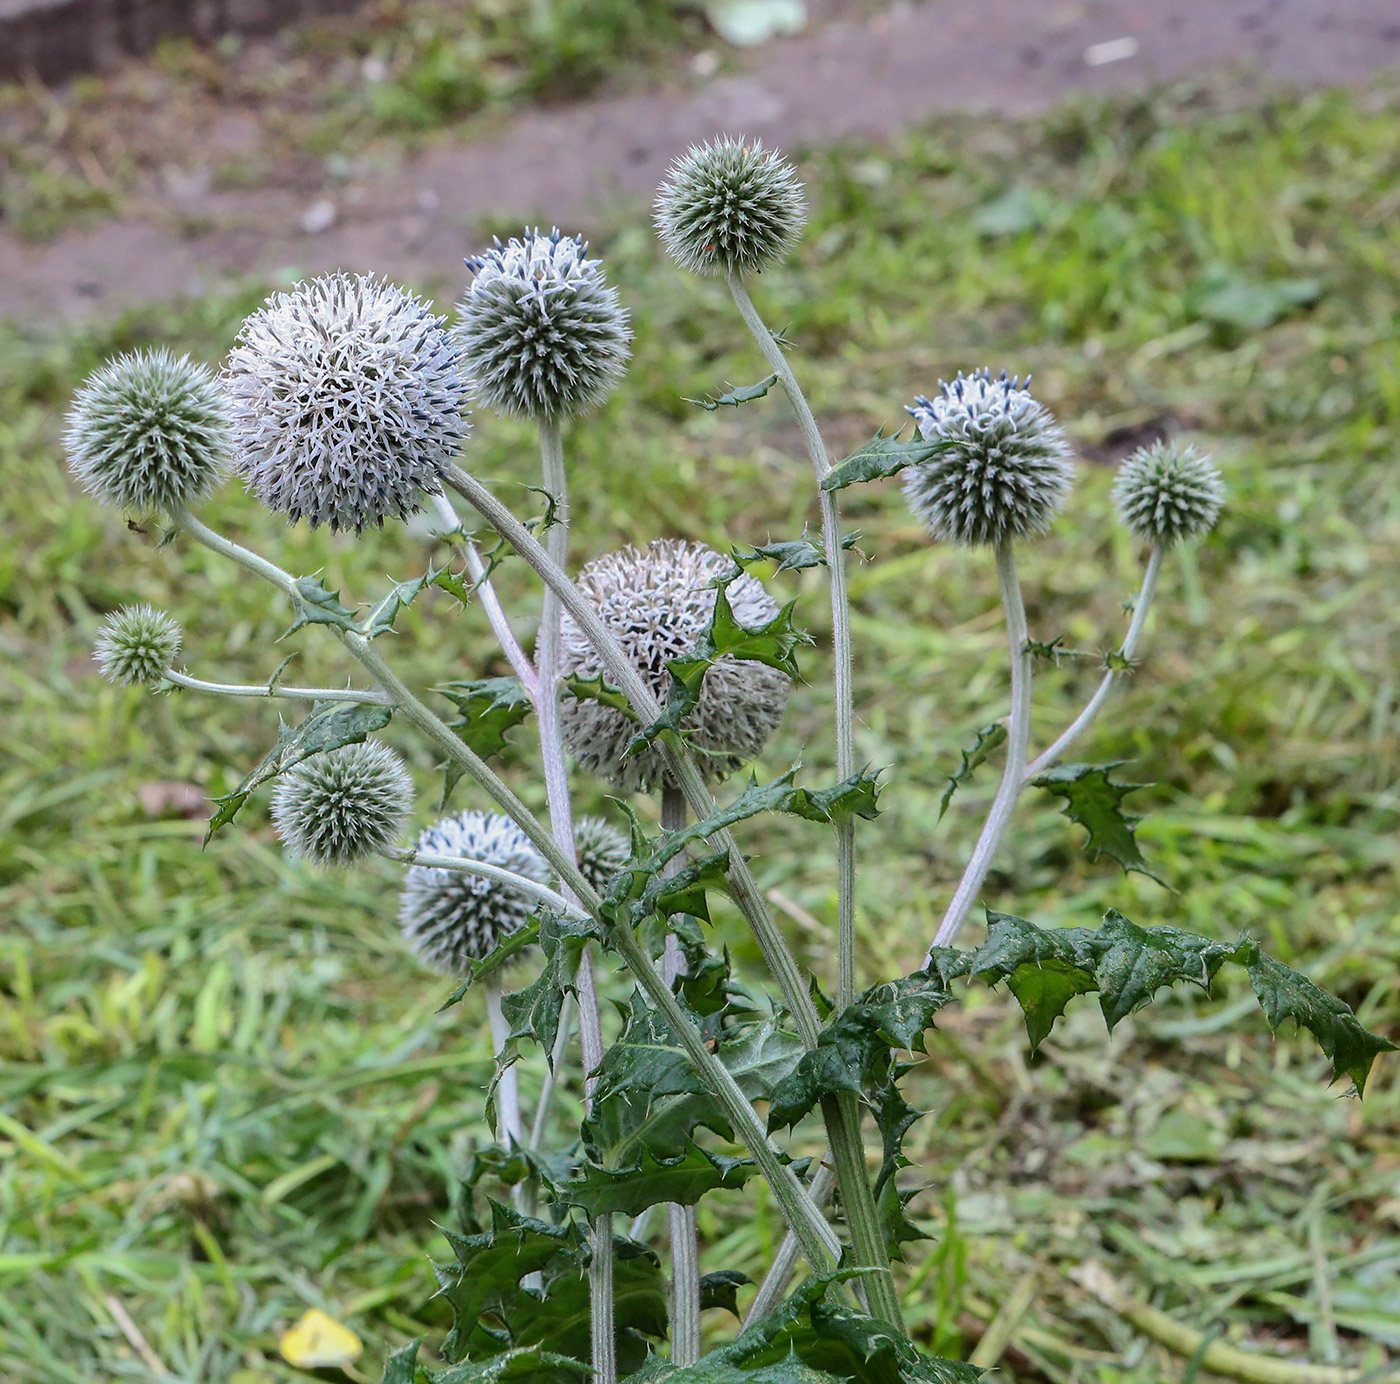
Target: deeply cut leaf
[[654, 1182], [1095, 802], [315, 605], [880, 457], [490, 708], [988, 739], [744, 394]]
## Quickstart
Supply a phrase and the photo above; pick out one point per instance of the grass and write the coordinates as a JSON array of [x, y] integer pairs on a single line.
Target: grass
[[225, 1094]]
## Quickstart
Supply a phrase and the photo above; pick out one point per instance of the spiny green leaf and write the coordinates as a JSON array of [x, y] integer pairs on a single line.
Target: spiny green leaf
[[653, 1181], [526, 1365], [745, 394], [452, 583], [534, 1011], [401, 1366], [685, 891], [500, 956], [490, 709], [329, 726], [880, 457], [794, 555], [1043, 990], [1095, 802], [715, 1371], [595, 689], [721, 1289], [988, 739], [381, 616], [315, 605]]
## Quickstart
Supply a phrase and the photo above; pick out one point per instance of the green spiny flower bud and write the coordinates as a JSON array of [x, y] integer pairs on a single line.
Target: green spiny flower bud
[[137, 645], [1168, 492], [149, 433], [541, 332], [730, 207], [337, 807], [449, 918], [1006, 471], [602, 852]]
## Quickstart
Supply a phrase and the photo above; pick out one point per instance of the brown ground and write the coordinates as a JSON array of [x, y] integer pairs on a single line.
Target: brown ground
[[856, 77]]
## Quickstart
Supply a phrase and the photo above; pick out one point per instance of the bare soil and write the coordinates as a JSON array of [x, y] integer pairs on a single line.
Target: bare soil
[[862, 76]]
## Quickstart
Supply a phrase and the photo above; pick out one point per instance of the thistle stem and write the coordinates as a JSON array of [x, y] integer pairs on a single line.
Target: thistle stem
[[1017, 738], [842, 1113], [262, 689], [508, 1088], [779, 1275], [541, 893], [1085, 719]]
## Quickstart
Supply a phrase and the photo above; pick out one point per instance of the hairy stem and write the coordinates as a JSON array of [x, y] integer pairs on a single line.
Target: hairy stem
[[507, 1088], [1017, 738], [262, 689], [775, 1282], [1085, 719], [541, 893]]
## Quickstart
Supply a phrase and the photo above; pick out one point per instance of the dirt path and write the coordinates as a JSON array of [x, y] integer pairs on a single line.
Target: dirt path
[[867, 78]]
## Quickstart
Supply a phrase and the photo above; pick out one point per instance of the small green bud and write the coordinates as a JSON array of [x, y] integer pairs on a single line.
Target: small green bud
[[137, 645], [1168, 492]]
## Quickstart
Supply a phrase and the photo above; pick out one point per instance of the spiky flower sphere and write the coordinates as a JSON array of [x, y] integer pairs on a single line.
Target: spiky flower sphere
[[602, 851], [657, 603], [1168, 492], [348, 401], [730, 207], [337, 807], [541, 332], [449, 918], [137, 645], [149, 433], [1007, 470]]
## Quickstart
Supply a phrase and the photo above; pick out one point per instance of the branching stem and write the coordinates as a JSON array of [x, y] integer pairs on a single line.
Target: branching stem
[[262, 689]]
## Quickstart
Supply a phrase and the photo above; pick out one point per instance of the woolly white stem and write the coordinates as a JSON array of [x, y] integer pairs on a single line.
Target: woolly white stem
[[1017, 737], [567, 1014], [262, 689], [507, 1088], [1130, 642], [779, 1275], [541, 893]]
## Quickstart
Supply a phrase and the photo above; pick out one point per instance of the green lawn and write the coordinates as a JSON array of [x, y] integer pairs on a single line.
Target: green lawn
[[225, 1091]]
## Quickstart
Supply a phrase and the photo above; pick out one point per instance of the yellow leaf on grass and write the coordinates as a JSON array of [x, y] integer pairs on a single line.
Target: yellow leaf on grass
[[317, 1341]]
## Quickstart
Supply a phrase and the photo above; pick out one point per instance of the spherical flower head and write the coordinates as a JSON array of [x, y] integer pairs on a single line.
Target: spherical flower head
[[149, 433], [137, 645], [540, 331], [450, 919], [730, 207], [657, 603], [1168, 492], [337, 807], [348, 401], [1006, 471], [603, 851]]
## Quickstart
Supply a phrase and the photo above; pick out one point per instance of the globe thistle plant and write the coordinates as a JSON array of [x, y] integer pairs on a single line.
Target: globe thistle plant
[[149, 433], [137, 645], [602, 850], [730, 207], [337, 807], [541, 332], [348, 401], [657, 603], [450, 919], [1168, 492], [1007, 468]]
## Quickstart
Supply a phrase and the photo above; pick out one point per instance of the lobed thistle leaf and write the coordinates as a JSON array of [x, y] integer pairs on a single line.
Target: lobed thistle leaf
[[1168, 492], [540, 330], [137, 645], [730, 207], [149, 433], [658, 603], [348, 401], [340, 806], [450, 919], [1005, 470]]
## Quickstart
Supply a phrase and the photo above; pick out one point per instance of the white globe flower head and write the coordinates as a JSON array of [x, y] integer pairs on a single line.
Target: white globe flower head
[[348, 401], [542, 334], [657, 603], [149, 433], [137, 646], [1007, 469], [338, 807], [450, 919], [1168, 492], [603, 851]]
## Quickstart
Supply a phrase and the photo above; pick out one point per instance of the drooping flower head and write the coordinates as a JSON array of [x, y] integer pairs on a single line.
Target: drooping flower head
[[137, 645], [730, 207], [657, 603], [541, 332], [1006, 471], [1168, 492], [450, 919], [602, 852], [348, 401], [149, 433], [337, 807]]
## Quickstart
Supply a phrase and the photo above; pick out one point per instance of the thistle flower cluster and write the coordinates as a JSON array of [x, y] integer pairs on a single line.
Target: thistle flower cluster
[[1168, 492], [602, 850], [730, 207], [149, 433], [348, 401], [1007, 467], [657, 603], [450, 919], [137, 645], [541, 332], [338, 807]]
